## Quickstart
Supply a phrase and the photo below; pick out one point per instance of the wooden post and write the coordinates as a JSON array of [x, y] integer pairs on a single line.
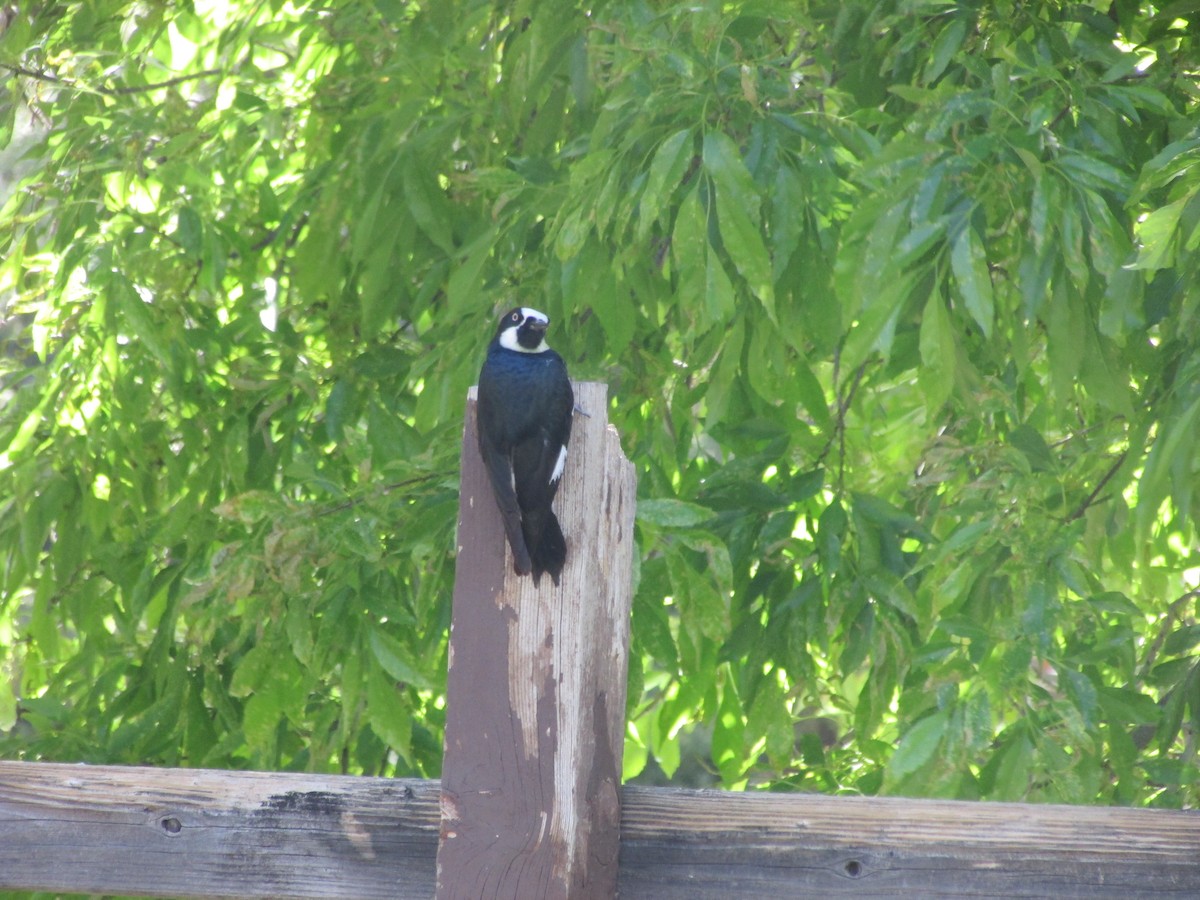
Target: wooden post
[[535, 696]]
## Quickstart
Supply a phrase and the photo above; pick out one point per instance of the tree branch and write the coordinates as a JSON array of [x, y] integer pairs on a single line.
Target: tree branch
[[51, 78], [170, 82], [1091, 498], [843, 405], [1173, 614], [386, 489]]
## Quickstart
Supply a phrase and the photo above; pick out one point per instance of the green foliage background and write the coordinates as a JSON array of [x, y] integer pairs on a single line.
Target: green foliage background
[[897, 301]]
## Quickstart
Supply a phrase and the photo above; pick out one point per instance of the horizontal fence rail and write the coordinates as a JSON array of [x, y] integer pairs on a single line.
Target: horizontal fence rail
[[207, 833]]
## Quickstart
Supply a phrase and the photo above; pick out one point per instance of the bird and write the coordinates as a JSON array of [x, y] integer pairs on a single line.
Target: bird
[[524, 407]]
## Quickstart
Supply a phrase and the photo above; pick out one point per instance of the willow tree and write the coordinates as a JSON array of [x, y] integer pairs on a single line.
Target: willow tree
[[898, 305]]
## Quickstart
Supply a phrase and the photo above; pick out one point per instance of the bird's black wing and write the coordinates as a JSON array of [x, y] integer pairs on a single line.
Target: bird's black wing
[[496, 460], [535, 459], [537, 454]]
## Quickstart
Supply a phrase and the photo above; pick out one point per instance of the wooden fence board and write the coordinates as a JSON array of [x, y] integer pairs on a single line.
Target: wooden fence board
[[104, 829], [721, 845], [208, 833]]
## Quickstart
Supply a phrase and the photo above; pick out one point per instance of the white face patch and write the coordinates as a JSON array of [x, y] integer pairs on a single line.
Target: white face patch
[[558, 466], [508, 337]]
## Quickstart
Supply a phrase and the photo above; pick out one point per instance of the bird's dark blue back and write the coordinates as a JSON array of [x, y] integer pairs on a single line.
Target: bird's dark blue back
[[529, 388]]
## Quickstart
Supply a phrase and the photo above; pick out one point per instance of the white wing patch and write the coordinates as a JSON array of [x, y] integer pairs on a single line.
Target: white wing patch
[[558, 466]]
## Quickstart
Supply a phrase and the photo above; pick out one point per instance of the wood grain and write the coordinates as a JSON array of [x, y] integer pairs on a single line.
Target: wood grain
[[535, 694], [713, 844], [208, 834]]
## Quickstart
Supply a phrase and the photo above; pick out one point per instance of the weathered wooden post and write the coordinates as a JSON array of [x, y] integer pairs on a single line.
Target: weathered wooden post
[[535, 697]]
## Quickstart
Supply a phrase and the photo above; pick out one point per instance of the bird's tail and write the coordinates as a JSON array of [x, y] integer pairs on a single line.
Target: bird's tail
[[547, 546]]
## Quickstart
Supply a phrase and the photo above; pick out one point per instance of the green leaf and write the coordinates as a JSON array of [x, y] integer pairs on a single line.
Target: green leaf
[[1173, 445], [737, 203], [875, 329], [880, 512], [572, 234], [1012, 774], [1182, 640], [665, 513], [396, 660], [728, 737], [251, 671], [831, 528], [260, 719], [141, 320], [390, 717], [703, 604], [765, 365], [189, 231], [338, 409], [428, 206], [725, 373], [917, 749], [914, 245], [699, 271], [276, 689], [719, 298], [1125, 706], [811, 393], [465, 283], [770, 718], [8, 707], [969, 263], [1063, 340], [945, 46], [938, 353], [1094, 172], [1100, 376], [1156, 236], [636, 755], [788, 211], [666, 171], [667, 750], [1030, 442], [723, 161], [590, 278]]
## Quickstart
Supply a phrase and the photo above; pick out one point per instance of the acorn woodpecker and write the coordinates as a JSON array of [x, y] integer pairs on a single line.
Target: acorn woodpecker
[[524, 422]]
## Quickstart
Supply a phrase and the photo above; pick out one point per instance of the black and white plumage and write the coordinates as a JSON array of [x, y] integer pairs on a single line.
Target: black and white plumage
[[524, 411]]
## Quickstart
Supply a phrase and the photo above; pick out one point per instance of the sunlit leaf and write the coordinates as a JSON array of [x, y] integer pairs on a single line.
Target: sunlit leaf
[[737, 203], [1012, 775], [917, 747], [395, 659], [1156, 236], [390, 719]]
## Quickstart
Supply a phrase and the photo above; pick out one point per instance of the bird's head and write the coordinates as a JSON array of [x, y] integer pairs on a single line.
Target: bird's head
[[524, 330]]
